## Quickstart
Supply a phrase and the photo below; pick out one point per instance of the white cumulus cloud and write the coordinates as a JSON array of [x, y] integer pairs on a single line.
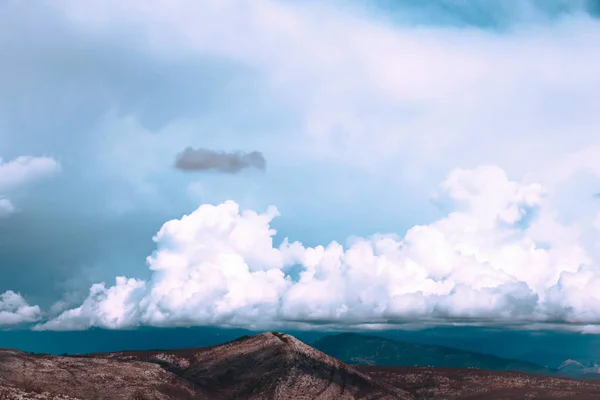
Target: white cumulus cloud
[[489, 260], [15, 310], [25, 169]]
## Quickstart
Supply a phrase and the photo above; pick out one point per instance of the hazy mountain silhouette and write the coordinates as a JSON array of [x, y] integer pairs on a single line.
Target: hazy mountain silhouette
[[374, 350]]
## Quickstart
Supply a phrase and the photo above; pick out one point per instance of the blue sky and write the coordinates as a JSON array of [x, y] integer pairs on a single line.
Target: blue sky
[[435, 118]]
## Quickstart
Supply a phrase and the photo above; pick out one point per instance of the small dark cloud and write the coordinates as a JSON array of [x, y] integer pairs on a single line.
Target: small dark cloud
[[596, 195], [192, 159]]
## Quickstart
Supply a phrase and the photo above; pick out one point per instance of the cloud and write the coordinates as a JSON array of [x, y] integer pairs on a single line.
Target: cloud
[[231, 163], [445, 95], [6, 207], [21, 171], [25, 169], [14, 310], [367, 110], [349, 106], [482, 262]]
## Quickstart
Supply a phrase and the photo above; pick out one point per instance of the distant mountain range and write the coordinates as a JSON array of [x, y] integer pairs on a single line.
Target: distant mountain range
[[577, 369], [548, 348], [374, 350]]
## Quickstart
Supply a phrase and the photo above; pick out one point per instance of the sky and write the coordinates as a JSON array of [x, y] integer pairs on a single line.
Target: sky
[[299, 164]]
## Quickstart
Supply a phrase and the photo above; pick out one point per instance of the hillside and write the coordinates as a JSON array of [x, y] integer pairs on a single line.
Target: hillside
[[268, 366]]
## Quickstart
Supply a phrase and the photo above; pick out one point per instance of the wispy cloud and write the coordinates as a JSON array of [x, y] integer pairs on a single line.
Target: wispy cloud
[[6, 207], [22, 171]]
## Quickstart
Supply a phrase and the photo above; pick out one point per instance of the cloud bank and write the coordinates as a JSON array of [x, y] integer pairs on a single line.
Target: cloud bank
[[368, 111], [364, 105], [192, 159], [492, 259], [14, 310]]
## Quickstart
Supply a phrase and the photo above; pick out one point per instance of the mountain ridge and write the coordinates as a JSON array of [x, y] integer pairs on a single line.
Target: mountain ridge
[[355, 348], [267, 366]]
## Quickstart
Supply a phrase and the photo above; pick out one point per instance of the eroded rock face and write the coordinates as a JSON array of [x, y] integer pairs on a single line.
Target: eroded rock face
[[269, 366]]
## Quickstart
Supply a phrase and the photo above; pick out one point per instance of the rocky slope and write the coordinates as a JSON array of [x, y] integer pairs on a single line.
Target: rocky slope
[[265, 366], [269, 366], [474, 384], [41, 376]]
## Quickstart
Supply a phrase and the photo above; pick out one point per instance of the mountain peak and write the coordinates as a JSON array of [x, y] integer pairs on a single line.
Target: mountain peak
[[285, 364], [571, 363], [576, 367]]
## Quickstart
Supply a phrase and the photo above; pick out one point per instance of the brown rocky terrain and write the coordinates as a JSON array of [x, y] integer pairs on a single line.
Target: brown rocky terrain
[[50, 377], [266, 366], [475, 384]]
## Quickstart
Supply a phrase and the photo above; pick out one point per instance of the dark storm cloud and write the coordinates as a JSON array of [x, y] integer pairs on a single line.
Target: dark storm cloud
[[231, 163]]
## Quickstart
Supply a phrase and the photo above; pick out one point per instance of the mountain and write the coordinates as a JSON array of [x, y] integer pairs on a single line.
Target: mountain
[[264, 366], [374, 350], [270, 365], [267, 366], [577, 369]]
